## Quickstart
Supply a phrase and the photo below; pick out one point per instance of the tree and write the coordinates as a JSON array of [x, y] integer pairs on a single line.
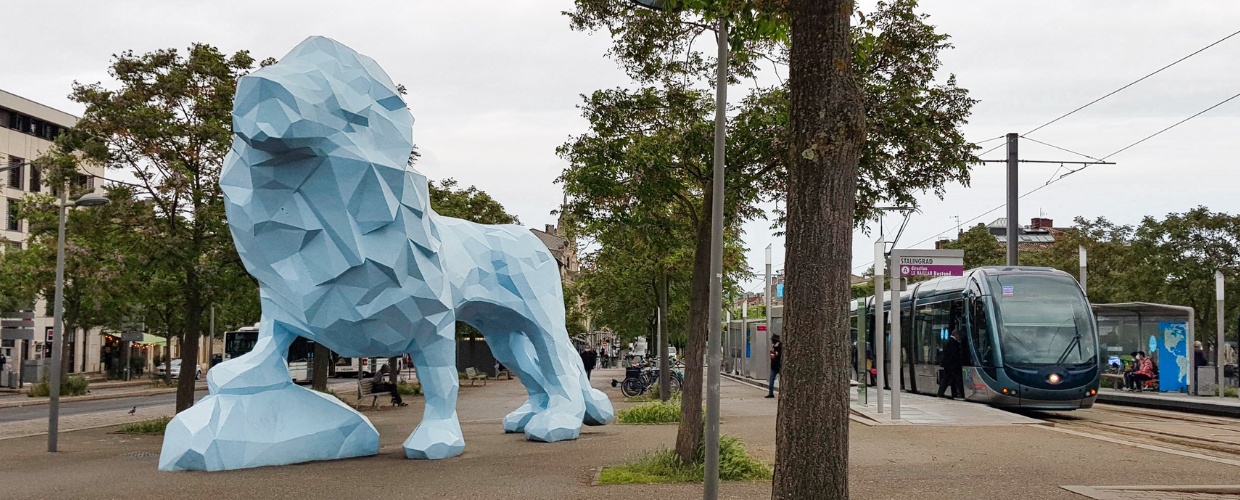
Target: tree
[[645, 165], [471, 204], [980, 248], [169, 125], [916, 146], [827, 139]]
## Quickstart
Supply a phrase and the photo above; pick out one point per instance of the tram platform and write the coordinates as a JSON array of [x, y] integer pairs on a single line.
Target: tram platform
[[920, 409], [1173, 401]]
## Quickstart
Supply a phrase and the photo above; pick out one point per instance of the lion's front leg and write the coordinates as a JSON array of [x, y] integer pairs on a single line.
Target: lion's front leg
[[439, 433], [256, 416]]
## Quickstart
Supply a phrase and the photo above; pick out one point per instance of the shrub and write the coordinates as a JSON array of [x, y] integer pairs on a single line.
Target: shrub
[[654, 412], [664, 466], [75, 385], [153, 426], [409, 389]]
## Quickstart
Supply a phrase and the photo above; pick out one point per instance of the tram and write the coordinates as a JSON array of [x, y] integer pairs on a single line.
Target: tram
[[1029, 337]]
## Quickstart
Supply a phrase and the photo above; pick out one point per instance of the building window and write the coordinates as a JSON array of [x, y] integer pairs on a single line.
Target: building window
[[36, 180], [15, 172], [15, 245], [29, 125], [15, 224]]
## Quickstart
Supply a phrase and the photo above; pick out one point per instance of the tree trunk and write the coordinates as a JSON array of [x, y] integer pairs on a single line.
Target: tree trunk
[[189, 345], [322, 362], [689, 435], [393, 372], [827, 132]]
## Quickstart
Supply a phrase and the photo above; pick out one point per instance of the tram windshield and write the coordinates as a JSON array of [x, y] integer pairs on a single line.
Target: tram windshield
[[1043, 320]]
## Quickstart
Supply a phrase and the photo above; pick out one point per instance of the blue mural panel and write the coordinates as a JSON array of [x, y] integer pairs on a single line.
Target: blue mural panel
[[347, 251], [1173, 356]]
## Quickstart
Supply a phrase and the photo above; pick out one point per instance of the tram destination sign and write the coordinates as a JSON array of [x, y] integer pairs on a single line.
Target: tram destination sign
[[928, 263]]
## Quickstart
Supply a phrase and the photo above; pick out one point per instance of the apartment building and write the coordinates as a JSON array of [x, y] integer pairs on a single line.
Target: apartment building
[[27, 129]]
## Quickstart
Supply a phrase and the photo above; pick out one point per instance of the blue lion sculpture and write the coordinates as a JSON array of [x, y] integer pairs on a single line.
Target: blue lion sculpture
[[341, 237]]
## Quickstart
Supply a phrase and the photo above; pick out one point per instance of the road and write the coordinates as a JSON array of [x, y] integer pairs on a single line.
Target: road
[[38, 412]]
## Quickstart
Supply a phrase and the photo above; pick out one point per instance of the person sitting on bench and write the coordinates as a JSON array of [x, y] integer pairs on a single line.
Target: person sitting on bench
[[380, 384], [1142, 370]]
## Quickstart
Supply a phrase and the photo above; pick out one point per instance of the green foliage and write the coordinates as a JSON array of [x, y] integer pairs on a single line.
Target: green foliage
[[471, 204], [409, 389], [980, 248], [152, 426], [654, 412], [75, 385], [664, 466]]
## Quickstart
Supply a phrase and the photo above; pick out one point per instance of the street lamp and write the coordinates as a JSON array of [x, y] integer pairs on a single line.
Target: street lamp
[[53, 411], [710, 488]]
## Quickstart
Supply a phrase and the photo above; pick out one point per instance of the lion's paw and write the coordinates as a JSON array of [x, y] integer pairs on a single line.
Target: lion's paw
[[435, 439], [598, 408], [273, 427], [551, 426]]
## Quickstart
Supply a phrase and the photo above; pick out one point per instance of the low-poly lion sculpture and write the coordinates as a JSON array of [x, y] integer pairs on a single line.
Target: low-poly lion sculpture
[[347, 252]]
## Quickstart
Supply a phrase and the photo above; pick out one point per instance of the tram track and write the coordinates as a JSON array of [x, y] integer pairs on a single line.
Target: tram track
[[1217, 437]]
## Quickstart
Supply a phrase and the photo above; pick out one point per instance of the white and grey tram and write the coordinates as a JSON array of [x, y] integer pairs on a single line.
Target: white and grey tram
[[1028, 335]]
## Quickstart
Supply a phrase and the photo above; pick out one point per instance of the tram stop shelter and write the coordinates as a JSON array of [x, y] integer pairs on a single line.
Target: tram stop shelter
[[1165, 332]]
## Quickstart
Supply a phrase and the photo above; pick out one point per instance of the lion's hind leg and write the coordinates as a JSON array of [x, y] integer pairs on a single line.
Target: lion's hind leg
[[516, 352]]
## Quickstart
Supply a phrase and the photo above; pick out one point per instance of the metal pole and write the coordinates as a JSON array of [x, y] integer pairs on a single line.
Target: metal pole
[[211, 338], [710, 490], [1013, 212], [880, 262], [1084, 270], [768, 286], [895, 341], [1218, 294], [53, 408]]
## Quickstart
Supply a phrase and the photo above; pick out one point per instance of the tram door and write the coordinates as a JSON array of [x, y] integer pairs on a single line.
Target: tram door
[[981, 346]]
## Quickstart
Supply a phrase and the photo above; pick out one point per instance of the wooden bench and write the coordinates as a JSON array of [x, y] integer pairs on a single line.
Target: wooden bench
[[365, 387], [472, 375]]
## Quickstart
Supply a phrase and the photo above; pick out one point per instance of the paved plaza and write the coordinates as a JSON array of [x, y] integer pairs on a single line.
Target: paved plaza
[[940, 458]]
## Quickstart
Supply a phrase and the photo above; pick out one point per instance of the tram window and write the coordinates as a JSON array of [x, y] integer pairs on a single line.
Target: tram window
[[931, 331], [979, 333]]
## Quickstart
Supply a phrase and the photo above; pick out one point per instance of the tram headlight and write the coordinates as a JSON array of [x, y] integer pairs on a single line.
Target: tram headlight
[[1054, 378]]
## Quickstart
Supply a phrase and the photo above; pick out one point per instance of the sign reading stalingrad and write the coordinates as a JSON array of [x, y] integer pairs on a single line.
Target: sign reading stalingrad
[[928, 263]]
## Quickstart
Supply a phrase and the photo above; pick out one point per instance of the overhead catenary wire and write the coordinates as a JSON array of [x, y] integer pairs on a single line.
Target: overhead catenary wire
[[1134, 82], [1057, 179]]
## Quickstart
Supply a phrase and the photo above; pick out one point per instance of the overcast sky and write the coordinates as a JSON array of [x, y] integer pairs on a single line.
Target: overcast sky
[[494, 87]]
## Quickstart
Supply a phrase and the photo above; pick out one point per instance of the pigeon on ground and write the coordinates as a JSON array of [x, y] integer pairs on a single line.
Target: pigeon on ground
[[134, 410]]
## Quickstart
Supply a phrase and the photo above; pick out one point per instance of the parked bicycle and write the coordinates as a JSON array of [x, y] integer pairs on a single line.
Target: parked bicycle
[[638, 380]]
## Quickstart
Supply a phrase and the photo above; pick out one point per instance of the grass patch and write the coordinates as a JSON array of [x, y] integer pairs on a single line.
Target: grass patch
[[663, 466], [1229, 392], [654, 412], [153, 426], [69, 386], [409, 389], [326, 391]]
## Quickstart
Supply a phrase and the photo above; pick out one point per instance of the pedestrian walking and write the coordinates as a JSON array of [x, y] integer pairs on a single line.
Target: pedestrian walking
[[777, 361], [588, 359]]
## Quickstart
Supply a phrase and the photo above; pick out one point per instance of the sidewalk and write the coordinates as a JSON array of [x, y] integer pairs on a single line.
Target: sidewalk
[[926, 461], [1173, 401], [920, 409]]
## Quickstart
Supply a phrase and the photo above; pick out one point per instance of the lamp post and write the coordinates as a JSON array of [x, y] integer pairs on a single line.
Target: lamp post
[[710, 489], [53, 408]]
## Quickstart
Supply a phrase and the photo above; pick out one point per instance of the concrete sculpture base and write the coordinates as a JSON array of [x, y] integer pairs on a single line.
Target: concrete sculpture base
[[347, 251]]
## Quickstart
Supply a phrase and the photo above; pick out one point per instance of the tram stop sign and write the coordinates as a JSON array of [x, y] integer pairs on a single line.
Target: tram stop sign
[[916, 263]]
